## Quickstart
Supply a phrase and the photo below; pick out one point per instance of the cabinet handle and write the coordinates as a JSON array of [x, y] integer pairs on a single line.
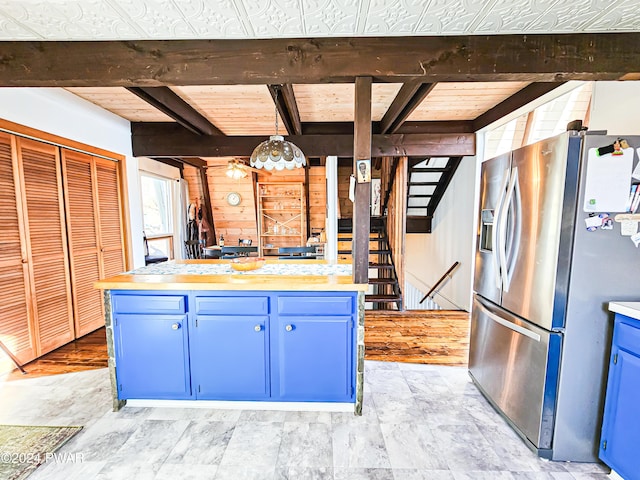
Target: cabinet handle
[[257, 328], [288, 328], [175, 326]]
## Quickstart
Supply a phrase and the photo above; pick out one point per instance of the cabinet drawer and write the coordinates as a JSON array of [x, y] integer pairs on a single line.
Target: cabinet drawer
[[149, 304], [315, 305], [627, 337], [232, 305]]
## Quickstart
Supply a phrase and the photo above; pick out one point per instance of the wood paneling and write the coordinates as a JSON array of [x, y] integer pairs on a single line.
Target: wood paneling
[[94, 232], [234, 222], [471, 100], [82, 231], [317, 197], [434, 336], [110, 223], [235, 109], [334, 102], [16, 330], [396, 219], [121, 102], [51, 249], [345, 205], [47, 246]]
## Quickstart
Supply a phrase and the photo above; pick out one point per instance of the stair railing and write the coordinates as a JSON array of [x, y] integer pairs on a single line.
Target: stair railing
[[435, 287]]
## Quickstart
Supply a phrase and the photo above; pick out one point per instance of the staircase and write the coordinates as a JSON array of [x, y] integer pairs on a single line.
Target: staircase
[[382, 273]]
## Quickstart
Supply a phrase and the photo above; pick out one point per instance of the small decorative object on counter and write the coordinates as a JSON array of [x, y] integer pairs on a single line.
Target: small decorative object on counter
[[221, 243], [246, 264]]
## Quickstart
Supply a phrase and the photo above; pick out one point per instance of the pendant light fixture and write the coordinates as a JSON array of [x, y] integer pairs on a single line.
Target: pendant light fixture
[[277, 153], [235, 171]]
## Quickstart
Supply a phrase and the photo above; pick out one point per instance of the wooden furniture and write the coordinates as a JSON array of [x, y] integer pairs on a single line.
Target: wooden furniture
[[149, 259], [277, 338], [297, 253], [61, 231], [620, 440], [235, 252], [281, 216]]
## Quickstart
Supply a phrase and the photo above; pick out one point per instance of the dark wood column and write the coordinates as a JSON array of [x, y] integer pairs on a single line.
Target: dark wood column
[[361, 151]]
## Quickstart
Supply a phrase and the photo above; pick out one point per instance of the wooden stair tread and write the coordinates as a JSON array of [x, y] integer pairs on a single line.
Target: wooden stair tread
[[382, 298], [382, 281]]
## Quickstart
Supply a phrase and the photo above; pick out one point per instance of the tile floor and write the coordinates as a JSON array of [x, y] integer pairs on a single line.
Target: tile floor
[[419, 422]]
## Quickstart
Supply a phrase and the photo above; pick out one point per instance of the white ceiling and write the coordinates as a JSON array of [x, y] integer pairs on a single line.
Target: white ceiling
[[228, 19]]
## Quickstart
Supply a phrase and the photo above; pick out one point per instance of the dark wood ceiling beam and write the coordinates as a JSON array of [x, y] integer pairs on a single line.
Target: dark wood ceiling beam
[[171, 140], [165, 100], [154, 63], [285, 102], [346, 128], [515, 101], [194, 162], [411, 95]]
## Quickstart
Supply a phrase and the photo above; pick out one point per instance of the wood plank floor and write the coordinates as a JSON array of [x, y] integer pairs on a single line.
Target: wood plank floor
[[419, 336], [86, 353]]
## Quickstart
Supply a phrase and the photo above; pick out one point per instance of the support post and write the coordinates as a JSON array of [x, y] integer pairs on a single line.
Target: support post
[[361, 151]]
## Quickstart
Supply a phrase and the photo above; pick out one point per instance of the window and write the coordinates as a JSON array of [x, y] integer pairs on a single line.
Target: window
[[157, 211], [545, 121]]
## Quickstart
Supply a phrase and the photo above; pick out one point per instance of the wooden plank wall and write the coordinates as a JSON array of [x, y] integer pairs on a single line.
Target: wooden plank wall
[[346, 206], [317, 198], [241, 221], [396, 217]]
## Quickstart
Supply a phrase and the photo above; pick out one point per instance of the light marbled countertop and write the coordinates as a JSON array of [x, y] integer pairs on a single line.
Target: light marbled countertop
[[288, 275]]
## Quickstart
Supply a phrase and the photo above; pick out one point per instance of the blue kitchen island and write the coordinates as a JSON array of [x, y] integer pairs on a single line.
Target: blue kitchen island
[[289, 335]]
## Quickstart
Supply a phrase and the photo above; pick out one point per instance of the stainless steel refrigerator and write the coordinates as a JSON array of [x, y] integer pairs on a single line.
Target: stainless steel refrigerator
[[540, 330]]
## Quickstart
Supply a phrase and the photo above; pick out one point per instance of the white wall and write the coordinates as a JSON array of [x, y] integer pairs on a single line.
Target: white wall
[[615, 107], [58, 112], [428, 256]]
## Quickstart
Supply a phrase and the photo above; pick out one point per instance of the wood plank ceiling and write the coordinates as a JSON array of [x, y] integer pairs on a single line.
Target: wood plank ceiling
[[201, 78]]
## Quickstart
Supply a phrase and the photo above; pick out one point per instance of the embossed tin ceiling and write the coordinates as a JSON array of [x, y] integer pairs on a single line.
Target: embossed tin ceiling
[[232, 19]]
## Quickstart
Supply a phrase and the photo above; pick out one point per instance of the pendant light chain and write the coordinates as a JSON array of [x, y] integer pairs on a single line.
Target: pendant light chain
[[276, 108]]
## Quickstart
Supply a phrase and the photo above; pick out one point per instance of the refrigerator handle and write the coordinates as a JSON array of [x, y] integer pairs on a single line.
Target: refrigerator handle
[[508, 324], [502, 229], [515, 232], [495, 238]]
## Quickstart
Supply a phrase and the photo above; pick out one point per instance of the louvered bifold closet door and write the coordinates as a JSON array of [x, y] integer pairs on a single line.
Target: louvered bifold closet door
[[16, 327], [109, 217], [82, 231], [47, 243]]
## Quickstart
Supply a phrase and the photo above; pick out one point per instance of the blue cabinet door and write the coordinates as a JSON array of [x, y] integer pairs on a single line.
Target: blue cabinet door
[[315, 359], [620, 442], [230, 357], [621, 425], [152, 356]]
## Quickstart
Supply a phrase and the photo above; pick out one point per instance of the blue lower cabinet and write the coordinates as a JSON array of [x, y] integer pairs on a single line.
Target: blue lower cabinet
[[152, 356], [230, 357], [314, 358], [620, 442]]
